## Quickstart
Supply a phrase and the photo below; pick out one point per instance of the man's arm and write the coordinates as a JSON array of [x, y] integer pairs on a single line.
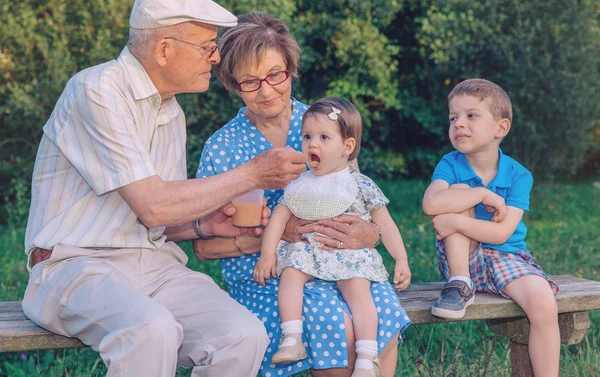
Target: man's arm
[[479, 230], [219, 248], [162, 203], [180, 233]]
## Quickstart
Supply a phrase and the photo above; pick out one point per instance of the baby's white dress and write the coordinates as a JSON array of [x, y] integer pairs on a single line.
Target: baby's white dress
[[315, 197]]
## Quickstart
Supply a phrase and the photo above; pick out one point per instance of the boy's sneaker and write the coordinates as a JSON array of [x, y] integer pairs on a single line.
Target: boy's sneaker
[[453, 301]]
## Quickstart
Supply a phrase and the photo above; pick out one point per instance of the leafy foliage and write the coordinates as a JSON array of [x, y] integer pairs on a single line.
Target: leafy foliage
[[396, 60]]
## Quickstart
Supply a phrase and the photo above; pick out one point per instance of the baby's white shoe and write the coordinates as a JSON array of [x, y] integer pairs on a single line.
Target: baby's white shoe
[[290, 349], [362, 358]]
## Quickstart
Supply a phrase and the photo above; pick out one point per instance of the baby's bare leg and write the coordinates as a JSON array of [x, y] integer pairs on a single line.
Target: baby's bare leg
[[534, 295], [291, 292], [357, 294]]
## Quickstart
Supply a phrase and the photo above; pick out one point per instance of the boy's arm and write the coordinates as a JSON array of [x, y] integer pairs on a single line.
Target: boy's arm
[[392, 240], [439, 199], [267, 263], [479, 230]]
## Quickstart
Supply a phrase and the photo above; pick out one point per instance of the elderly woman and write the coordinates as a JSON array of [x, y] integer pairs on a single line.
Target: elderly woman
[[259, 59]]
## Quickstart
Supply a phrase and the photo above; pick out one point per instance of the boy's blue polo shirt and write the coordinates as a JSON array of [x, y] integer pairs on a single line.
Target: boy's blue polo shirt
[[513, 182]]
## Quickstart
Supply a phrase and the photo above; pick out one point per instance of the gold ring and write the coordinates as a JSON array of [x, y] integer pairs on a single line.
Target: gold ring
[[340, 245]]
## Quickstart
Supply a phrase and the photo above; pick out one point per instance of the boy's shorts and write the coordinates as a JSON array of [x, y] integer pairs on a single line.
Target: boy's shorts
[[491, 269]]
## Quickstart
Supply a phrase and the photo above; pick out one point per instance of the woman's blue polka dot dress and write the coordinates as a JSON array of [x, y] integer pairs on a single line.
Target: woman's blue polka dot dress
[[324, 329]]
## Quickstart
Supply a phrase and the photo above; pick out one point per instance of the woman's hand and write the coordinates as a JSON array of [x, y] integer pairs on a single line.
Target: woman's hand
[[401, 275], [265, 268], [219, 223], [293, 232], [343, 232]]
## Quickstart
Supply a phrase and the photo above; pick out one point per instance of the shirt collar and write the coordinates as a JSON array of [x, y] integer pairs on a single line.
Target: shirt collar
[[141, 84], [502, 178]]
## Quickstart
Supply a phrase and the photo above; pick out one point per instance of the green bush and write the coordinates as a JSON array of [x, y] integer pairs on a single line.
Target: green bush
[[544, 53], [44, 43], [397, 60]]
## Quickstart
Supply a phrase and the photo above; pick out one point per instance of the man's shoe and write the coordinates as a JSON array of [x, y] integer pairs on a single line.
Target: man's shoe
[[287, 352], [453, 301], [374, 372]]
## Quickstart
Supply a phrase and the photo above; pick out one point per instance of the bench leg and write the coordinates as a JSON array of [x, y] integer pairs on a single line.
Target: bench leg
[[573, 327], [519, 358]]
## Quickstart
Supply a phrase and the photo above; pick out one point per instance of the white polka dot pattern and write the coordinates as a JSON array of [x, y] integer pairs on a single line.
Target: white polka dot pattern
[[324, 329]]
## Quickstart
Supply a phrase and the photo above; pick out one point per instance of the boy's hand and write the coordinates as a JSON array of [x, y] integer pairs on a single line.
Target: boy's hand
[[445, 225], [493, 201], [265, 268], [401, 275]]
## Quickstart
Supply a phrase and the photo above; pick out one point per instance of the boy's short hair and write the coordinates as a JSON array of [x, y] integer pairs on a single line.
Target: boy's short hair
[[493, 94], [348, 119]]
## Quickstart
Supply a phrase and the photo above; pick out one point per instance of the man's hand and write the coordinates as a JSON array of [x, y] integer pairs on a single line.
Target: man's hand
[[352, 231], [401, 275], [219, 223], [445, 225], [493, 201], [265, 268], [277, 167]]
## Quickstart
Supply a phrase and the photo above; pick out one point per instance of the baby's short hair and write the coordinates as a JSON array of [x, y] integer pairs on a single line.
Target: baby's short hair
[[348, 119], [493, 94]]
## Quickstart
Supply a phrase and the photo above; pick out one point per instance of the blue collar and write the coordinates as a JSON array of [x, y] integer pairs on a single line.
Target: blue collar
[[502, 178]]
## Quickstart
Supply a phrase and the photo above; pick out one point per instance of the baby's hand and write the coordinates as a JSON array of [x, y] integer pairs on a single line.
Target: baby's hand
[[492, 202], [401, 275], [265, 268]]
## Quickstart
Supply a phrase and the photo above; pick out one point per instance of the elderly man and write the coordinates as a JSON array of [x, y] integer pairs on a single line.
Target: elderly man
[[110, 195]]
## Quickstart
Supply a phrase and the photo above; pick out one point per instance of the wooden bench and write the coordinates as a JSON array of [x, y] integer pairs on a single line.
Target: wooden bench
[[577, 297]]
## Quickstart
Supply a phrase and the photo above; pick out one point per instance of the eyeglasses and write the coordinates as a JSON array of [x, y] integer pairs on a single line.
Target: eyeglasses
[[273, 79], [203, 49]]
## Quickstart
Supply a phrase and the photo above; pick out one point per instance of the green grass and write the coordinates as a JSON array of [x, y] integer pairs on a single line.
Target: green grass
[[564, 237]]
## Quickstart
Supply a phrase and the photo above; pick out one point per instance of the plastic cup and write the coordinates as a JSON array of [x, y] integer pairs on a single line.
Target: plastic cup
[[248, 209]]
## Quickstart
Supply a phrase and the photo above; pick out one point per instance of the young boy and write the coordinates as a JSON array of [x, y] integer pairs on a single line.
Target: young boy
[[476, 199]]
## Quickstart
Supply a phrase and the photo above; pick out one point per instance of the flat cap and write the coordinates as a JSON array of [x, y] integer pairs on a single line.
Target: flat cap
[[152, 14]]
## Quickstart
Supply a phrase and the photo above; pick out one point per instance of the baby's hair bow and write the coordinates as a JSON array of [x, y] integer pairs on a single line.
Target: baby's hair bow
[[333, 115]]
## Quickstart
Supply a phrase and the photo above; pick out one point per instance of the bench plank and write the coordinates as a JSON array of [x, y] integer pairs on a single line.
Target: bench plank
[[576, 295], [17, 333]]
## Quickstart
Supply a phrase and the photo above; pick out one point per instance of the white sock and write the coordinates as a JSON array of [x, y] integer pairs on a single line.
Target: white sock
[[466, 279], [367, 347], [290, 327]]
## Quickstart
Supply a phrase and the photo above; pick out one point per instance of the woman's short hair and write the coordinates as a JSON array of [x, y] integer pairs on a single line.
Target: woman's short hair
[[348, 118], [248, 42]]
